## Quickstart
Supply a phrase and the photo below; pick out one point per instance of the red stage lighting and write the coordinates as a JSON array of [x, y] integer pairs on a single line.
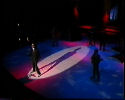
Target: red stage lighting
[[106, 18], [86, 27]]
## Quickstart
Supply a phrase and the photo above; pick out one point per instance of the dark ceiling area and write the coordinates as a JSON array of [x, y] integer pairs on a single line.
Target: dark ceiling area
[[37, 18]]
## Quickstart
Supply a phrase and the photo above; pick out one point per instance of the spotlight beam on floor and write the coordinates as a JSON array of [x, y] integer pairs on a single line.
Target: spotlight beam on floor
[[60, 61]]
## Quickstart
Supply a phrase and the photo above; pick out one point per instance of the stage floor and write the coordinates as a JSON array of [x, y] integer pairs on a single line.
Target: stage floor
[[70, 75]]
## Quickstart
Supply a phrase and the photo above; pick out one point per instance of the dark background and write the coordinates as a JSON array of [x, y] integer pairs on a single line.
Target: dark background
[[37, 19]]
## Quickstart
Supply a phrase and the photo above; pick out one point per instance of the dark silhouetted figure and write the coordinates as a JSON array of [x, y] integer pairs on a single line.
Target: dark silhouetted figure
[[35, 55], [95, 59]]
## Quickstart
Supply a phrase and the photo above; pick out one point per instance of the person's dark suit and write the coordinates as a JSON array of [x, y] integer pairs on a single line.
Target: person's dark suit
[[95, 59], [35, 55]]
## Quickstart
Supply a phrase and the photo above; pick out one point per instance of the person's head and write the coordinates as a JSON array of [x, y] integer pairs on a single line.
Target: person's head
[[33, 45]]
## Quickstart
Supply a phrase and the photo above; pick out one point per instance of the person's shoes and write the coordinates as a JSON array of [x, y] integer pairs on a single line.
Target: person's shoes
[[29, 76], [39, 75], [32, 72]]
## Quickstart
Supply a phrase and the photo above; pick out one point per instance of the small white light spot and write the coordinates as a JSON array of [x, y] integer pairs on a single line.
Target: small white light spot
[[19, 39], [27, 38]]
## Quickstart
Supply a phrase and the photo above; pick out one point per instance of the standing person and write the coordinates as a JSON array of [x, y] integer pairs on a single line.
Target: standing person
[[35, 55], [95, 59]]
